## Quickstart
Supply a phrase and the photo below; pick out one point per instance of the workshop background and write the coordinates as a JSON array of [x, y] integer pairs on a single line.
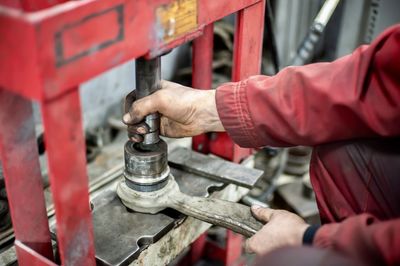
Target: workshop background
[[290, 38]]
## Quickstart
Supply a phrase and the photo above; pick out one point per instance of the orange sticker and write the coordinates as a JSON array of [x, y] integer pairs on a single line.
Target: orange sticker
[[177, 18]]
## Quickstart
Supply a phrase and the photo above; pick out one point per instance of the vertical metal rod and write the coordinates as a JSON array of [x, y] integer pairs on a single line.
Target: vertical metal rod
[[20, 159], [148, 76]]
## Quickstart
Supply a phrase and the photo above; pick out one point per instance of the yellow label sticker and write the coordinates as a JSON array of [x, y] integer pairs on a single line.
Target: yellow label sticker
[[177, 18]]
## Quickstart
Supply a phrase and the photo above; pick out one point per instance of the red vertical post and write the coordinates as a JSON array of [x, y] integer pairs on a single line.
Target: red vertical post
[[65, 147], [201, 79], [247, 58], [247, 53], [202, 75], [20, 159]]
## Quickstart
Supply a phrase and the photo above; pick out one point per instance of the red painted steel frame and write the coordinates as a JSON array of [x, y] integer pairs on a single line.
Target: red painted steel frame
[[45, 55], [20, 160], [201, 79], [65, 145]]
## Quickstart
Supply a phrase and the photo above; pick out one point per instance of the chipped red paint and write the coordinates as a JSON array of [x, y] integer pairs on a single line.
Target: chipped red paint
[[47, 49]]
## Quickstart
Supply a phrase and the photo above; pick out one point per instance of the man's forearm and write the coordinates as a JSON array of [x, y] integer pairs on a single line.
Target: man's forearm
[[355, 96]]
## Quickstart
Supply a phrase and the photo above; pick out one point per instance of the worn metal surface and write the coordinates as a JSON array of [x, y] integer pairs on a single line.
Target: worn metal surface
[[180, 237], [234, 216], [120, 234], [146, 169], [120, 241], [213, 167]]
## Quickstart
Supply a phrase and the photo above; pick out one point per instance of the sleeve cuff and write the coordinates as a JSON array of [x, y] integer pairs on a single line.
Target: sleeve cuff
[[234, 113], [309, 234]]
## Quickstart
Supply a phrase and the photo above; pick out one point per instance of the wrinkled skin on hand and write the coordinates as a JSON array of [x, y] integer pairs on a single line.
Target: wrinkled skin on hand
[[185, 112], [282, 228]]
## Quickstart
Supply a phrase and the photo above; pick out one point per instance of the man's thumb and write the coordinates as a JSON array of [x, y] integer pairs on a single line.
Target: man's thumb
[[263, 214]]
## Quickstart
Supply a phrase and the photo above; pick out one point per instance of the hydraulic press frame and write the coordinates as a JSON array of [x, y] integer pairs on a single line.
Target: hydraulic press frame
[[47, 49]]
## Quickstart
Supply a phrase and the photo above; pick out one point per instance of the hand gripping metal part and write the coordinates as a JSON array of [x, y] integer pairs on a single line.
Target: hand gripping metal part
[[146, 166], [149, 187], [148, 76]]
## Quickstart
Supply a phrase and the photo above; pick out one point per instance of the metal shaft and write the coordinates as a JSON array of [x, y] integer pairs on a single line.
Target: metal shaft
[[146, 163], [148, 76]]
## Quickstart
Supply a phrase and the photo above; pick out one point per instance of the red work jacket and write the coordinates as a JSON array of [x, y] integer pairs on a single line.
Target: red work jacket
[[356, 96]]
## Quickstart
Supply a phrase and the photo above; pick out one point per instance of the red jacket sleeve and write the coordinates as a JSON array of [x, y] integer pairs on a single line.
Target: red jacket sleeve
[[353, 97], [363, 237]]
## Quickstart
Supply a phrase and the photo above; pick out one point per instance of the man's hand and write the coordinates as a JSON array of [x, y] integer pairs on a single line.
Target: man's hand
[[184, 111], [282, 228]]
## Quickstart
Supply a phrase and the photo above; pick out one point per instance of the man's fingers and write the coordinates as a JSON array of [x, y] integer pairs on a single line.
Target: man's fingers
[[140, 128], [135, 137], [142, 107], [129, 99], [263, 214]]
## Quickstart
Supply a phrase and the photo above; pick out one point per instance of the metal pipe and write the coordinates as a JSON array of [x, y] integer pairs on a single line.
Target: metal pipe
[[306, 50], [326, 12], [148, 76]]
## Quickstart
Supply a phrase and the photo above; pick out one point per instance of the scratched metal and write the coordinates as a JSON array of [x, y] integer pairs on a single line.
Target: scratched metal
[[120, 235]]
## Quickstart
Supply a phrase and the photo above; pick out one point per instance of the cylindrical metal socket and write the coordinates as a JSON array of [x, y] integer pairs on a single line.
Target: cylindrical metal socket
[[146, 166], [148, 76]]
